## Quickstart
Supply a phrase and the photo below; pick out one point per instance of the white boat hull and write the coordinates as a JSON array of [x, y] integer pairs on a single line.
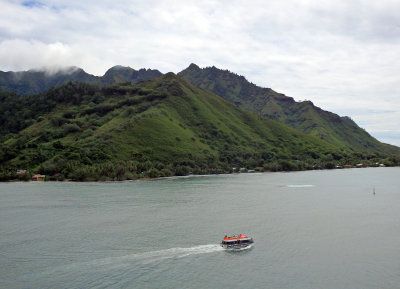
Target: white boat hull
[[237, 247]]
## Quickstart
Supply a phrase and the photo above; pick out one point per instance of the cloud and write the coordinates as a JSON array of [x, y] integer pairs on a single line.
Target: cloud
[[342, 54], [23, 55]]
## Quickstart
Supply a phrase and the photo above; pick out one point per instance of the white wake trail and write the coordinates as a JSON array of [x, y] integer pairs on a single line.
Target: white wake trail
[[175, 252], [127, 261], [97, 272], [300, 186], [153, 256]]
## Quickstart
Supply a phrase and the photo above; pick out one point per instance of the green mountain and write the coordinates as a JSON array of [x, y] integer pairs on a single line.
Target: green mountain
[[37, 81], [159, 127], [303, 116]]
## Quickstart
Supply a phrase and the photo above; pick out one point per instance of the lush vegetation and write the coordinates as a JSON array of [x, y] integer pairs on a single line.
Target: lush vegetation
[[303, 116], [156, 128]]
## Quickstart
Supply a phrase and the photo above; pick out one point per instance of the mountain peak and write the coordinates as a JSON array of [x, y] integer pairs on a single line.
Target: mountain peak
[[193, 66], [170, 75], [119, 68]]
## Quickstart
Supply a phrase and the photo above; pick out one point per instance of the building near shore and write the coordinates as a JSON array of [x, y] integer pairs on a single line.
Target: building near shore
[[38, 177]]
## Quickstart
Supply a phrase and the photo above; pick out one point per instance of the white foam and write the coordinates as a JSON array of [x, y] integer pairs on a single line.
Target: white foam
[[178, 252], [138, 259], [300, 186], [151, 256]]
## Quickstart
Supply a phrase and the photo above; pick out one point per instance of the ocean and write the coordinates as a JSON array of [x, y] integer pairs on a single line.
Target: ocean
[[312, 229]]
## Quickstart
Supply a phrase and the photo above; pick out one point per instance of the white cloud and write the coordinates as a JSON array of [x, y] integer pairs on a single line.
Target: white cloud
[[342, 54], [23, 55]]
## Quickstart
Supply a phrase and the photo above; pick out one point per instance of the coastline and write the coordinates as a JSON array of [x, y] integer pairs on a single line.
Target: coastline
[[182, 177]]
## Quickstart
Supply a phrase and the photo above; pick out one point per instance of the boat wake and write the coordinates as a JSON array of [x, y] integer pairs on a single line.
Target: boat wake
[[300, 186], [148, 257], [176, 252], [113, 270]]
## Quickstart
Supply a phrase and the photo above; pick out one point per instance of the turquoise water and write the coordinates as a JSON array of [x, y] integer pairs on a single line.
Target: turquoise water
[[316, 229]]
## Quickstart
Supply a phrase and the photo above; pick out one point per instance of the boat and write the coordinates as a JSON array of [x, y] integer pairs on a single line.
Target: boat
[[237, 242]]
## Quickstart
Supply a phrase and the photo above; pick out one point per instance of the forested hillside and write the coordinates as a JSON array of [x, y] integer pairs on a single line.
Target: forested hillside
[[160, 127]]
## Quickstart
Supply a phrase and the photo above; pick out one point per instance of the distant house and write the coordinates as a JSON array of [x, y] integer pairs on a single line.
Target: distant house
[[38, 177], [21, 172]]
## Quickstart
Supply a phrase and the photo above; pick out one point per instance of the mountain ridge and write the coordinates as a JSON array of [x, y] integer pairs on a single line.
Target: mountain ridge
[[303, 116], [160, 127], [35, 81]]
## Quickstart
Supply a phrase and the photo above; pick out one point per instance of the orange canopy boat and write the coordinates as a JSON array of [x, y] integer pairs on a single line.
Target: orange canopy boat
[[236, 242]]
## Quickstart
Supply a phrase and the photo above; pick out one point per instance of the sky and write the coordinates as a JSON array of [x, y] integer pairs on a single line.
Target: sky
[[343, 55]]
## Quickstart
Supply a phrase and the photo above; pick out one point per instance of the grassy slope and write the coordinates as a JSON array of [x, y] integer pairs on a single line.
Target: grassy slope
[[303, 116], [197, 124]]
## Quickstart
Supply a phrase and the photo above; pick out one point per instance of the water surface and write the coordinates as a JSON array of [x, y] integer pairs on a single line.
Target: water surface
[[316, 229]]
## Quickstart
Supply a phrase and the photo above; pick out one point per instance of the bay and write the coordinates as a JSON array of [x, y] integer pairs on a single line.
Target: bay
[[314, 229]]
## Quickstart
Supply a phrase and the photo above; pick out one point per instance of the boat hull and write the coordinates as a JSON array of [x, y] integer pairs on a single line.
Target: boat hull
[[237, 247], [237, 243]]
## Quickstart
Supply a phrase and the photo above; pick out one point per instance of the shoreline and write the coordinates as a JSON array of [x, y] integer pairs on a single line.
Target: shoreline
[[184, 177]]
